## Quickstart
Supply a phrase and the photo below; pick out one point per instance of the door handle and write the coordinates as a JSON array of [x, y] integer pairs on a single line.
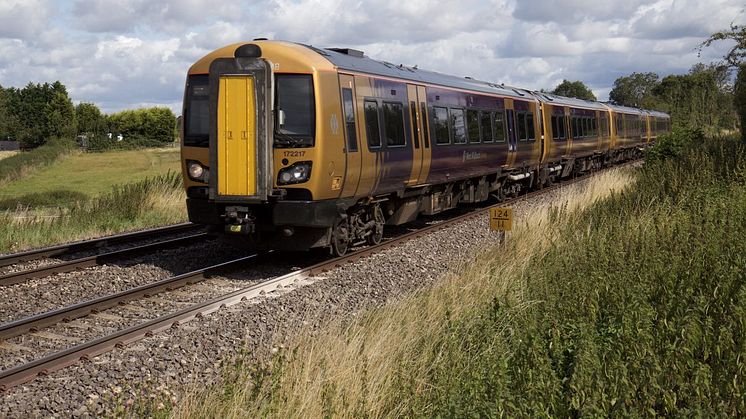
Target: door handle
[[244, 135], [229, 135]]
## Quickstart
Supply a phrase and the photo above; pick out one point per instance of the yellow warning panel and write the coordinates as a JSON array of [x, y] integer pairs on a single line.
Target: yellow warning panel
[[501, 219], [236, 136]]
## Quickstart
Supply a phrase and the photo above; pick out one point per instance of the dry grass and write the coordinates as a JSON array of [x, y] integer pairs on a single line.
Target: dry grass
[[352, 370], [6, 154]]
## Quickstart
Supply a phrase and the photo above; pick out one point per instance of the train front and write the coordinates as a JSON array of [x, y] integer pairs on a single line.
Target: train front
[[250, 154]]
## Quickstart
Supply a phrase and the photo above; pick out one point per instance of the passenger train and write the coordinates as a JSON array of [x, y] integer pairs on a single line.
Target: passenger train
[[295, 147]]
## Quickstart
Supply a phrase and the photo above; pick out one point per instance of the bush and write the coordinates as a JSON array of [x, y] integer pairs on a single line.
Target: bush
[[17, 166], [674, 143]]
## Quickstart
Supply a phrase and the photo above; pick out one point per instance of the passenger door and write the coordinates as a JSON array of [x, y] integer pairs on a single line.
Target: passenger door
[[416, 96], [353, 159]]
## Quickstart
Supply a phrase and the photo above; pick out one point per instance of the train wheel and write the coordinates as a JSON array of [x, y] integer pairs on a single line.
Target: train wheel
[[377, 234], [340, 238]]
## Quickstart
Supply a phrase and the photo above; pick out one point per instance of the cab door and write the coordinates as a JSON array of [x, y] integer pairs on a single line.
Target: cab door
[[416, 176], [353, 159]]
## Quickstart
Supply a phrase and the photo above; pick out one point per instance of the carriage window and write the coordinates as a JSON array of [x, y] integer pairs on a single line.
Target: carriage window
[[372, 128], [521, 122], [415, 127], [485, 121], [440, 120], [425, 127], [499, 132], [594, 129], [472, 123], [458, 126], [555, 128], [562, 122], [574, 122], [349, 110], [393, 120], [530, 126]]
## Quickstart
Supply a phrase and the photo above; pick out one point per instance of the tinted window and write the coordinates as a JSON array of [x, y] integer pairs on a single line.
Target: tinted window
[[574, 127], [393, 119], [425, 125], [349, 110], [372, 128], [485, 121], [594, 129], [458, 126], [530, 126], [499, 125], [472, 122], [197, 112], [415, 128], [562, 122], [555, 127], [295, 101], [521, 122], [440, 120]]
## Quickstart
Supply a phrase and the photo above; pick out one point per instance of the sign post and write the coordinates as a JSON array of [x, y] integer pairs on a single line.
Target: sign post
[[501, 220]]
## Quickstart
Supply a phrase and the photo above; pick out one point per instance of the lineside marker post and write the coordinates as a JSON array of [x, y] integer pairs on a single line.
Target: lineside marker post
[[501, 220]]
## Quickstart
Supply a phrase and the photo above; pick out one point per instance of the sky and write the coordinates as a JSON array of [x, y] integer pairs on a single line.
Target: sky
[[124, 54]]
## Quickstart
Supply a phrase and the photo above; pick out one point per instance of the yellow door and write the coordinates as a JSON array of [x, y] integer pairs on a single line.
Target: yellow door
[[351, 116], [236, 136]]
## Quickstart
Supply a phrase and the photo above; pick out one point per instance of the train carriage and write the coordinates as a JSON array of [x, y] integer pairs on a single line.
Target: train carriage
[[290, 146]]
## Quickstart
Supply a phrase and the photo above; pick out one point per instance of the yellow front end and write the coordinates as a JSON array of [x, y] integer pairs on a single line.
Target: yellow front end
[[237, 160]]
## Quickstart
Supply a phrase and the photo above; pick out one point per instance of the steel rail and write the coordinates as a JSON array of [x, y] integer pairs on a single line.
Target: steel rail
[[71, 312], [79, 246], [86, 262], [26, 372]]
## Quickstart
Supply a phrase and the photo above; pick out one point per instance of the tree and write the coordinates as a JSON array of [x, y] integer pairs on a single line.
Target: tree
[[90, 120], [734, 59], [575, 89], [634, 90], [60, 113]]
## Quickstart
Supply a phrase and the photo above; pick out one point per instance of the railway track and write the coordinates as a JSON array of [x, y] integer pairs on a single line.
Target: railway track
[[29, 371], [74, 263], [88, 245]]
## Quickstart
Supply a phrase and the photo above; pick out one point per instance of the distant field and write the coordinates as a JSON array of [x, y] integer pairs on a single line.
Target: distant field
[[6, 154], [87, 175]]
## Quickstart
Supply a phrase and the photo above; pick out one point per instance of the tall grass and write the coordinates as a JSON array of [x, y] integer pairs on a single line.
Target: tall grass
[[381, 364], [20, 164], [630, 306], [154, 201]]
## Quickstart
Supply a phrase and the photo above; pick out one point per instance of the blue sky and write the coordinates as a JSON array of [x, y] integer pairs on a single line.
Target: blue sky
[[124, 54]]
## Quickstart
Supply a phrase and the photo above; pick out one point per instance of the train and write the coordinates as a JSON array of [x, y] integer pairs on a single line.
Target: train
[[293, 147]]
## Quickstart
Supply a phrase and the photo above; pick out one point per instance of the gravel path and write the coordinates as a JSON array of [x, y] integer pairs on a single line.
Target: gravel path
[[172, 361]]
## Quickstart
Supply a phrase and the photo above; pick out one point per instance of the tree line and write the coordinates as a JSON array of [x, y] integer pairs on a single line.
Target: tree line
[[38, 112]]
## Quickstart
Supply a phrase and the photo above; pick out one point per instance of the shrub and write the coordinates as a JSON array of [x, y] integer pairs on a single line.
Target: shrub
[[17, 166]]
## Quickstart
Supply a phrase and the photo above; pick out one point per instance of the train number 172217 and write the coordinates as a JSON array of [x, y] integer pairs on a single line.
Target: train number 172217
[[294, 153]]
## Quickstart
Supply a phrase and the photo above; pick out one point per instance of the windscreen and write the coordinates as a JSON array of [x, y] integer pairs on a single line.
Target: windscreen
[[295, 115], [196, 112]]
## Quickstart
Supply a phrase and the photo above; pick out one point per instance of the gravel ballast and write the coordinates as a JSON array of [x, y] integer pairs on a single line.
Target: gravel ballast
[[171, 362]]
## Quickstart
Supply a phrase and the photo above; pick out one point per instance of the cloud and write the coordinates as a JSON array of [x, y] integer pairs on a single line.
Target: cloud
[[23, 19]]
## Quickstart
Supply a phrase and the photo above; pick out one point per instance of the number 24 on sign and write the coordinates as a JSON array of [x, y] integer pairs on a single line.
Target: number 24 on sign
[[501, 219]]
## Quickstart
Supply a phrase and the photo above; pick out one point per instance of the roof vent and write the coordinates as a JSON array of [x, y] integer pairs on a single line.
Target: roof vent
[[348, 51]]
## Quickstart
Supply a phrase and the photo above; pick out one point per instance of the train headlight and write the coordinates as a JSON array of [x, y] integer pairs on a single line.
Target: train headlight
[[297, 173], [196, 171]]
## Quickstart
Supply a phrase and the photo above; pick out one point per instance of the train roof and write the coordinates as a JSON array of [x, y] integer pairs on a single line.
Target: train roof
[[353, 60], [569, 101]]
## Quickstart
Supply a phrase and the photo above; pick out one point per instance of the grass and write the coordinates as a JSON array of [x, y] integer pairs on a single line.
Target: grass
[[634, 305], [19, 165], [151, 202], [82, 176], [6, 154]]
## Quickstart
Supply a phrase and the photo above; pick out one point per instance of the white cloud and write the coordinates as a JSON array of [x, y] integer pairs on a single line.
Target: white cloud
[[129, 53]]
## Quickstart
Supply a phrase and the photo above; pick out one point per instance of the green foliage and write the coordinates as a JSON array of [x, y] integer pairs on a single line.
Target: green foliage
[[151, 127], [737, 53], [37, 113], [739, 98], [17, 166], [674, 144], [125, 207], [635, 90], [91, 122], [576, 89], [638, 309]]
